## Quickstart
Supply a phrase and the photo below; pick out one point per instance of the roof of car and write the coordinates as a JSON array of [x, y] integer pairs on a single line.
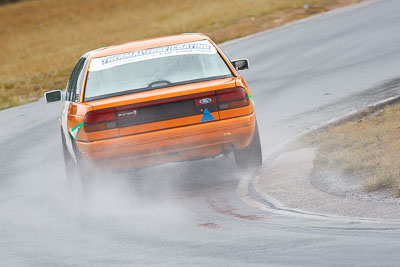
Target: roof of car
[[145, 44]]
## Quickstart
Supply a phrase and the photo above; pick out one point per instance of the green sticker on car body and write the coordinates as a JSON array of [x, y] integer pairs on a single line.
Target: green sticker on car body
[[251, 98], [74, 131]]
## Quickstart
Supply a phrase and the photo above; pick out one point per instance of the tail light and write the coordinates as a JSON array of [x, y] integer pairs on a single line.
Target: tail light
[[141, 113], [100, 120], [232, 98]]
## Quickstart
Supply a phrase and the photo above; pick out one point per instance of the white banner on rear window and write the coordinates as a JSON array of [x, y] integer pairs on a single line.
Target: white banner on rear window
[[199, 47]]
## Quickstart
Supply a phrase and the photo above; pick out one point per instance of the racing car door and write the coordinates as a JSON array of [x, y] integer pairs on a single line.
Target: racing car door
[[71, 96]]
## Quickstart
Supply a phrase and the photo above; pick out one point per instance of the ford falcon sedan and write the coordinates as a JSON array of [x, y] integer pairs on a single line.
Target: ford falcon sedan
[[150, 102]]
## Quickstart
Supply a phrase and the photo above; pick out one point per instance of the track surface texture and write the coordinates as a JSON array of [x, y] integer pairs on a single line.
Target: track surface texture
[[189, 214]]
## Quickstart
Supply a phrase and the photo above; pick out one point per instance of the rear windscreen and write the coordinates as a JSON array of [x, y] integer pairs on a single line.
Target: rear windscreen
[[154, 68]]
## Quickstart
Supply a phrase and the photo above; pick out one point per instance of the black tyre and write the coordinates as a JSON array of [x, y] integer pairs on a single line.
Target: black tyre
[[77, 171], [69, 163], [251, 156], [84, 174]]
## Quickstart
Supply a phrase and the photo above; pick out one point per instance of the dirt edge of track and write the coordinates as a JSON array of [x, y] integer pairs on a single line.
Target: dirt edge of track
[[290, 182]]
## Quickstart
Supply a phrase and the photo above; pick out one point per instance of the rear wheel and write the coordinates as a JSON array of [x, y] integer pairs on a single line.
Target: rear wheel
[[76, 171], [251, 156], [84, 174], [69, 163]]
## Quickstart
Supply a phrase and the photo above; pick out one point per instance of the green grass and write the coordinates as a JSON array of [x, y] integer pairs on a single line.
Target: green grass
[[368, 148], [41, 40]]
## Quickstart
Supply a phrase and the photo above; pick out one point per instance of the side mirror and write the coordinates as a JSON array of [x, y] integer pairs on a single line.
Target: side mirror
[[53, 96], [240, 64]]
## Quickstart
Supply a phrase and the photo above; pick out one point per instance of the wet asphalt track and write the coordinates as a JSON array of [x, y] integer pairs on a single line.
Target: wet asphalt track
[[190, 213]]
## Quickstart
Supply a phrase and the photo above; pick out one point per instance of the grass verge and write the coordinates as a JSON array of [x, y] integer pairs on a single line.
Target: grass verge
[[367, 147], [42, 39]]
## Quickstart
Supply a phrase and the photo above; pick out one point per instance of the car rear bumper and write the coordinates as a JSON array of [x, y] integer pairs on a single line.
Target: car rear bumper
[[178, 144]]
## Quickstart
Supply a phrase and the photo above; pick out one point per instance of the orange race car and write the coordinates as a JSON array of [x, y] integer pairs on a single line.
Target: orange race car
[[149, 102]]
